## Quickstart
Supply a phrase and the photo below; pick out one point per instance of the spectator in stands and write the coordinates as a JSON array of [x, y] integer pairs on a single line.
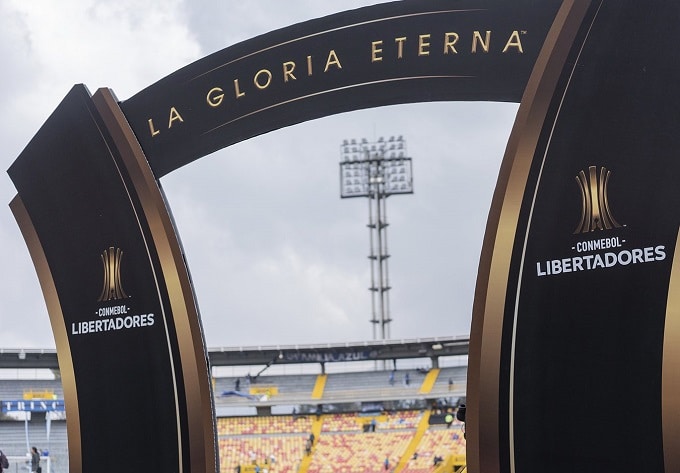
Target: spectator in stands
[[4, 463], [35, 460], [407, 379], [373, 423], [391, 380], [450, 384], [387, 463], [438, 460], [237, 384]]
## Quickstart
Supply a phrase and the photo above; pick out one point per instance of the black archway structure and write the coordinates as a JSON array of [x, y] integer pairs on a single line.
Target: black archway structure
[[577, 304]]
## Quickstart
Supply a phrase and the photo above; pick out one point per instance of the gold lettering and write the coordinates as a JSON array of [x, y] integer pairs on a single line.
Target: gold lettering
[[450, 40], [376, 50], [477, 38], [153, 130], [514, 42], [288, 68], [215, 97], [237, 90], [174, 116], [309, 65], [400, 46], [332, 60], [267, 74], [423, 45]]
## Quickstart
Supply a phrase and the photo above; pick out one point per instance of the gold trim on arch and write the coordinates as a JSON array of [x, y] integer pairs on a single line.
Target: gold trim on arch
[[670, 371], [193, 360], [49, 289], [483, 422]]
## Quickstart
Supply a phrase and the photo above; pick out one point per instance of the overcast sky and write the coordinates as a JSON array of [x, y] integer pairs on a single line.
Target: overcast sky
[[275, 255]]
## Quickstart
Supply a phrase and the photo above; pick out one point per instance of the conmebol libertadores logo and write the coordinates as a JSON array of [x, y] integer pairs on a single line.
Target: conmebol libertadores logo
[[113, 287], [116, 316], [596, 213], [598, 252]]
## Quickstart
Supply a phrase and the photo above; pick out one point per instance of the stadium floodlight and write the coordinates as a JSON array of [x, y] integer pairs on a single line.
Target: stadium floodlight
[[377, 170], [368, 168]]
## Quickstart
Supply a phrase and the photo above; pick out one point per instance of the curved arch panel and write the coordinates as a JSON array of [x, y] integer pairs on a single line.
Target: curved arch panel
[[398, 52]]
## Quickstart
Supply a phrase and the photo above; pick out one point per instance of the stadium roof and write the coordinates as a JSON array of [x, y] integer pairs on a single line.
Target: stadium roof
[[281, 354]]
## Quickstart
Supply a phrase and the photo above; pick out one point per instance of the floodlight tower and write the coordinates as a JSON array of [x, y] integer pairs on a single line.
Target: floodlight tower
[[377, 170]]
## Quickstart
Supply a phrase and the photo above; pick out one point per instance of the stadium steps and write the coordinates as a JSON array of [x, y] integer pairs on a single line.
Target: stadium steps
[[319, 386], [423, 425], [428, 382], [317, 425], [316, 430]]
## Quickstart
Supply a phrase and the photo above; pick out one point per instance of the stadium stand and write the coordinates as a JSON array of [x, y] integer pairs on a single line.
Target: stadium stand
[[19, 389], [437, 441], [14, 435], [341, 444], [340, 387], [357, 419]]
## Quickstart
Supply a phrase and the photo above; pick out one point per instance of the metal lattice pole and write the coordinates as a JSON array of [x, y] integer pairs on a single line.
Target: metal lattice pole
[[376, 170]]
